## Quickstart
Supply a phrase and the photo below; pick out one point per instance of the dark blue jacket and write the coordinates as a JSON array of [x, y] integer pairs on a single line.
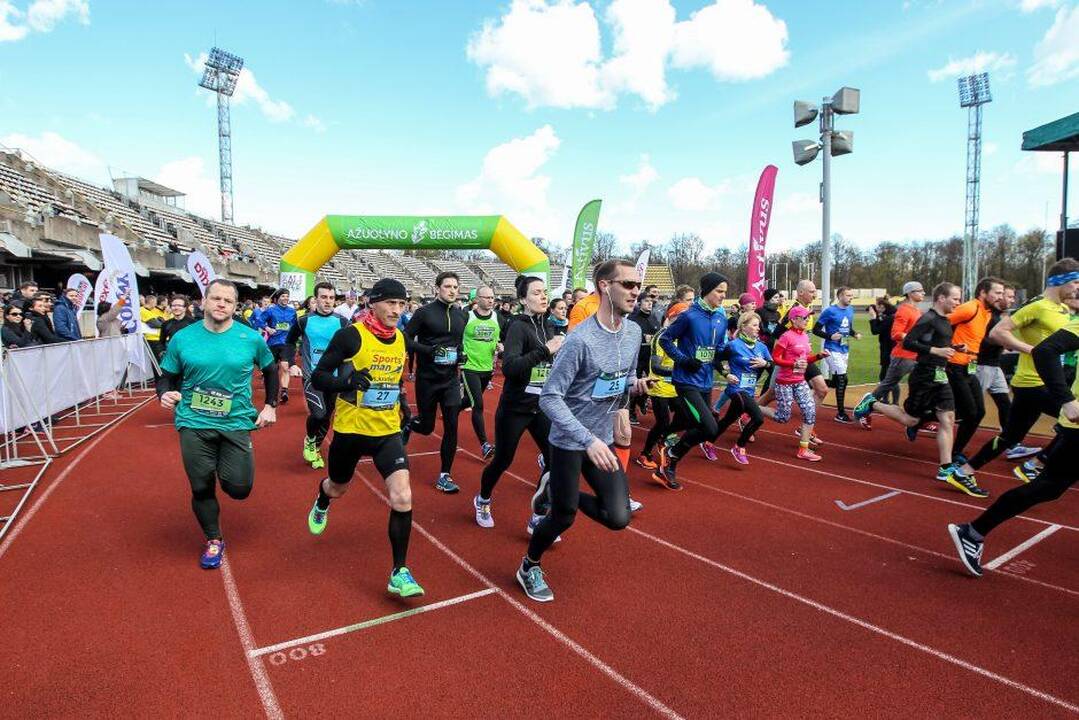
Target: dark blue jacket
[[695, 329], [276, 318], [65, 320]]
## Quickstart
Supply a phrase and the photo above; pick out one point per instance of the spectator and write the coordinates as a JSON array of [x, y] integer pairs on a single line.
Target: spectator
[[152, 317], [40, 325], [179, 318], [27, 291], [108, 318], [881, 317], [16, 330], [66, 316], [558, 316], [349, 307], [567, 297]]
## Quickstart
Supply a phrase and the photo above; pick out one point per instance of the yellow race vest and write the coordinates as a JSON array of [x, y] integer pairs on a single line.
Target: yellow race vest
[[662, 387], [374, 412]]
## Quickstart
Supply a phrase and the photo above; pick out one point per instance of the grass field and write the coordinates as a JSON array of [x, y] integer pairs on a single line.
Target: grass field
[[864, 353]]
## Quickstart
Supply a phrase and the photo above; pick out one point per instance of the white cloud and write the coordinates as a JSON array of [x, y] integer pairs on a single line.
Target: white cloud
[[10, 28], [990, 148], [733, 39], [248, 88], [642, 179], [979, 62], [58, 153], [314, 123], [1040, 163], [189, 176], [41, 16], [510, 182], [1057, 54], [1032, 5], [692, 193]]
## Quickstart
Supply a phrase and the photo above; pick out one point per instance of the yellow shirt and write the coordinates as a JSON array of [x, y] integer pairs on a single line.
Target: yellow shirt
[[376, 411], [146, 315], [662, 387], [1034, 322]]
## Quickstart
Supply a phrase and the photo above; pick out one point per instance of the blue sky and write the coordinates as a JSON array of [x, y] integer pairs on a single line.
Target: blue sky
[[529, 108]]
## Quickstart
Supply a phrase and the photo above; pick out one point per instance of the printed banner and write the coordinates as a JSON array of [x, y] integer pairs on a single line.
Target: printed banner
[[201, 271], [642, 263], [584, 239], [294, 283], [122, 280], [83, 286], [756, 281]]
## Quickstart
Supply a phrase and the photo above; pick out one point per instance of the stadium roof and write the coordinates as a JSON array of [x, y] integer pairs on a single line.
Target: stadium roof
[[1058, 136], [155, 188]]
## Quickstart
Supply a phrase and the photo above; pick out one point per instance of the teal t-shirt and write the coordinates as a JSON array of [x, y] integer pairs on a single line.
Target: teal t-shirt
[[480, 342], [216, 375]]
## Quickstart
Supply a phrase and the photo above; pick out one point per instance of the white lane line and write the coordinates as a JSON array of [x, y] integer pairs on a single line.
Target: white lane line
[[254, 664], [369, 623], [844, 506], [622, 681], [959, 662], [1022, 547]]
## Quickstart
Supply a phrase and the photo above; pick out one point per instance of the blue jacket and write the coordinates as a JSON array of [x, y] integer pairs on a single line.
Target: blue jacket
[[275, 317], [65, 320], [695, 333], [738, 354]]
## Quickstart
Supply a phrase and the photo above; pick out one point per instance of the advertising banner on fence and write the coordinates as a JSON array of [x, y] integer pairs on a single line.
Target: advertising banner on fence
[[121, 279], [642, 263], [584, 240], [756, 281], [201, 271], [79, 283], [102, 289]]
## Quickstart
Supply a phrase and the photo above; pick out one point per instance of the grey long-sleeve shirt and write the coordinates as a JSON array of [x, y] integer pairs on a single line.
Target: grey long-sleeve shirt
[[579, 395]]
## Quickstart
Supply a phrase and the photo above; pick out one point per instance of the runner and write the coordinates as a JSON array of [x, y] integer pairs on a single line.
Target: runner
[[558, 317], [692, 341], [747, 356], [794, 356], [589, 379], [434, 334], [313, 333], [1060, 462], [930, 393], [662, 392], [642, 315], [1021, 331], [836, 326], [206, 382], [526, 362], [364, 366], [276, 321], [903, 360], [482, 337]]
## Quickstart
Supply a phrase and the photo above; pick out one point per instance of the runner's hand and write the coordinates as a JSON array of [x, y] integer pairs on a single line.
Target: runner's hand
[[360, 379], [295, 371], [641, 385], [944, 352], [170, 399], [601, 456], [837, 336], [1071, 410], [758, 362], [555, 343], [267, 417], [732, 379], [825, 353]]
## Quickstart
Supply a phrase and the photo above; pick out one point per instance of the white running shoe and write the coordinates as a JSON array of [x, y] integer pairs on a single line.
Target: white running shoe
[[1021, 452], [483, 512], [634, 506]]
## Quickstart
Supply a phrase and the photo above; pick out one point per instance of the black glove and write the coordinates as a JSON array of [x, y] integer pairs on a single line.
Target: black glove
[[360, 380], [462, 359], [691, 365]]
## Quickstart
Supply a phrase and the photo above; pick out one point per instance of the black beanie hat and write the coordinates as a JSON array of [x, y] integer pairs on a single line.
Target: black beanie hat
[[770, 293], [709, 282], [387, 289]]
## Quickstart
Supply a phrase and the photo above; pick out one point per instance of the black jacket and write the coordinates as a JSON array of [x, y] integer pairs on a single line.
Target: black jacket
[[769, 315], [41, 328], [172, 326], [881, 326], [15, 335], [525, 346], [434, 328], [648, 329]]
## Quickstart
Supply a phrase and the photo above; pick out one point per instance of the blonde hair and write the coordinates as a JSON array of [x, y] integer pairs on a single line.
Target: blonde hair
[[747, 317]]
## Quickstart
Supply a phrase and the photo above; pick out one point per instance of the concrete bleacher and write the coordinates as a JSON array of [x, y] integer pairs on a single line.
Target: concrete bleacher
[[468, 279], [24, 190], [500, 275], [124, 211], [418, 269], [661, 277]]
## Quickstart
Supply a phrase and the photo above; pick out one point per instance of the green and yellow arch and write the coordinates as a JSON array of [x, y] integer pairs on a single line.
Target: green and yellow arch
[[396, 232]]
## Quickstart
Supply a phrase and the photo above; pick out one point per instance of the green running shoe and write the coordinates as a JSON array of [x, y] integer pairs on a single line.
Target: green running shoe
[[310, 450], [316, 519], [402, 583]]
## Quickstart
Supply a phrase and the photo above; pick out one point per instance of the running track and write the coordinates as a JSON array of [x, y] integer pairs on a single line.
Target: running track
[[749, 594]]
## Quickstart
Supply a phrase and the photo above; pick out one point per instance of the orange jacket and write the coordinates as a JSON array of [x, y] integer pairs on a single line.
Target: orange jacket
[[584, 309], [905, 316], [969, 322]]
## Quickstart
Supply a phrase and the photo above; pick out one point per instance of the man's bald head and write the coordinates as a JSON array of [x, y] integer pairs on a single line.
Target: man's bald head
[[485, 299], [806, 291]]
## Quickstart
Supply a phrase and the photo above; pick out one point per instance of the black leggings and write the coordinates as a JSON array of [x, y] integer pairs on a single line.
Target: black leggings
[[661, 409], [969, 404], [609, 506], [695, 406], [211, 458], [1029, 404], [737, 404], [444, 395], [1058, 475], [320, 407], [510, 425], [475, 382], [1003, 401]]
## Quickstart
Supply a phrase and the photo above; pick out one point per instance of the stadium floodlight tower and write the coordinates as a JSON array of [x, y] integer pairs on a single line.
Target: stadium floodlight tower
[[973, 93], [220, 76], [846, 101]]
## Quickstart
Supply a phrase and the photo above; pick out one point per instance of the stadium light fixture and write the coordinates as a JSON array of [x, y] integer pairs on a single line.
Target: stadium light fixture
[[804, 113], [973, 93], [805, 151], [220, 76]]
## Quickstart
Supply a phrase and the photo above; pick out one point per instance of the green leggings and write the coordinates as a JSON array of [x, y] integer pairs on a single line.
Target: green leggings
[[224, 456]]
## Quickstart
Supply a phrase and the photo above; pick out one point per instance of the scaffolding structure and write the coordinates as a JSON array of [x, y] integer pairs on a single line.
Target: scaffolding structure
[[973, 93]]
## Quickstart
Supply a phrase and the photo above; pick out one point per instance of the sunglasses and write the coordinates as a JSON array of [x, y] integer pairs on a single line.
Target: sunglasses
[[14, 314], [629, 284]]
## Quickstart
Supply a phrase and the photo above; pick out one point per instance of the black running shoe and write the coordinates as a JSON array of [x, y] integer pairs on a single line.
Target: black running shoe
[[540, 501], [969, 549], [284, 398]]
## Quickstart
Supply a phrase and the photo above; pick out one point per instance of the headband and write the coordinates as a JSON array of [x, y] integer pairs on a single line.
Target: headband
[[1062, 279]]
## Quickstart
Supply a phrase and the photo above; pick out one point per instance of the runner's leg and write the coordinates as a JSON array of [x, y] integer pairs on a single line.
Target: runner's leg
[[198, 449]]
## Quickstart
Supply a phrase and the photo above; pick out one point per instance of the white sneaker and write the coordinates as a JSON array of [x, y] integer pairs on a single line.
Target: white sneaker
[[1021, 452], [634, 506], [483, 512]]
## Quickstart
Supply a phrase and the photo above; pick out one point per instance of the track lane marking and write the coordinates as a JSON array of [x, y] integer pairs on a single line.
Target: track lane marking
[[844, 506], [1022, 547], [254, 663]]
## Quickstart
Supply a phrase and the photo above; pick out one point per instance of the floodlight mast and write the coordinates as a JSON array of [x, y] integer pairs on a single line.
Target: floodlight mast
[[973, 93], [220, 76]]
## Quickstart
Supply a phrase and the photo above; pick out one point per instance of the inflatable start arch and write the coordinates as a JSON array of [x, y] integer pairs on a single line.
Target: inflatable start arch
[[386, 232]]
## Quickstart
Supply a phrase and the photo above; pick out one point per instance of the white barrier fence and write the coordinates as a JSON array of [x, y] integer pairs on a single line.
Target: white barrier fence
[[39, 382]]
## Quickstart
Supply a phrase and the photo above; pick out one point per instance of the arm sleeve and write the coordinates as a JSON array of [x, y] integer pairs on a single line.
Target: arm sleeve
[[167, 382], [516, 363], [1046, 356], [552, 399], [673, 332], [412, 330], [272, 383], [294, 334], [343, 346], [917, 340], [820, 328]]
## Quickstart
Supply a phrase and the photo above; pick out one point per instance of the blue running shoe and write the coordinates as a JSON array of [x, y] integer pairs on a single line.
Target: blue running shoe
[[864, 408], [211, 556], [912, 433], [446, 484], [532, 582]]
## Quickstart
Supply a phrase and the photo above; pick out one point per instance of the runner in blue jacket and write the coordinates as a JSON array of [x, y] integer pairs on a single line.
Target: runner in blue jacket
[[276, 321]]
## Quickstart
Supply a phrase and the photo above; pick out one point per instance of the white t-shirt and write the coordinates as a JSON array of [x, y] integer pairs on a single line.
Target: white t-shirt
[[347, 311]]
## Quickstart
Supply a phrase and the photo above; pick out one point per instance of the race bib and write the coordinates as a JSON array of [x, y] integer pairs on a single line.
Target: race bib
[[484, 333], [537, 378], [446, 356], [381, 396], [282, 326], [749, 380], [211, 402], [609, 385], [939, 375], [705, 354], [972, 368]]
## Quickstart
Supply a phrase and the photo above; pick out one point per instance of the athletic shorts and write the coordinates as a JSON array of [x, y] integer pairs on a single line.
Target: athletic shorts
[[432, 392], [927, 397], [346, 449], [282, 353], [837, 363], [812, 371], [992, 379]]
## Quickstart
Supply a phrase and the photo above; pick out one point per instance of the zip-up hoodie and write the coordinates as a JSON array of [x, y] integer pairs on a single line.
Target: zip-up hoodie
[[697, 329], [436, 331], [525, 346]]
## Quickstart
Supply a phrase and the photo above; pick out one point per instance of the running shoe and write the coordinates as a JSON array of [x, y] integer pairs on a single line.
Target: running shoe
[[929, 429], [284, 397], [446, 484], [539, 498], [1021, 452], [843, 418], [963, 483], [709, 451], [671, 440], [646, 461], [808, 455], [541, 462], [634, 506], [211, 556], [912, 433], [487, 450], [483, 512], [1028, 472], [533, 523], [814, 441], [402, 583], [969, 549], [864, 408], [959, 459], [666, 478], [740, 455], [533, 583], [317, 519], [866, 422], [310, 450]]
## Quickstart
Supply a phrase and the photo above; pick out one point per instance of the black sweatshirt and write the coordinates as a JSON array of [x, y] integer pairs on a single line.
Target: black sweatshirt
[[932, 330], [525, 347], [434, 328], [989, 352], [1046, 355]]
